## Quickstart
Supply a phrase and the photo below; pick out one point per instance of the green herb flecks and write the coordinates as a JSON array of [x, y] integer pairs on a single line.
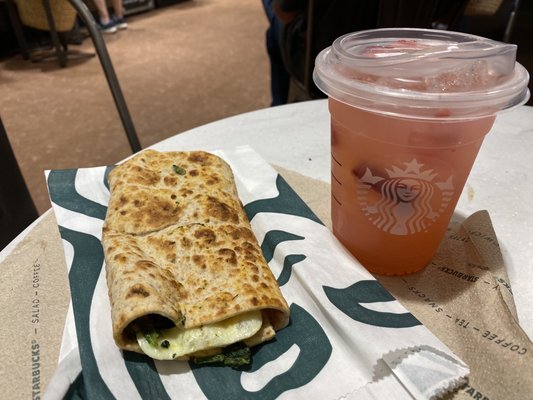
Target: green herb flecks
[[233, 356], [146, 327], [151, 337], [178, 170], [165, 344]]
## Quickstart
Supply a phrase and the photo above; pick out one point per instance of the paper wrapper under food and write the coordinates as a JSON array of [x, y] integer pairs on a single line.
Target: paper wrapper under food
[[34, 299], [465, 298], [348, 337]]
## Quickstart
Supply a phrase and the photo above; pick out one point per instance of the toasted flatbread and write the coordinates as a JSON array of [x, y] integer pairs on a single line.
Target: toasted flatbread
[[179, 248]]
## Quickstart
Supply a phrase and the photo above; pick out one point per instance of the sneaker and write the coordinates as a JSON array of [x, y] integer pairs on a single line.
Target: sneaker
[[110, 27], [120, 22]]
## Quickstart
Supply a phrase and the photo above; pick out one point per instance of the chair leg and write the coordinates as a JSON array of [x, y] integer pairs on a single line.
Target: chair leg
[[105, 60], [60, 53], [17, 27]]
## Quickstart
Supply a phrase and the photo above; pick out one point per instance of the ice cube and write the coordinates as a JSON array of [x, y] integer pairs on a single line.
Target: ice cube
[[474, 75]]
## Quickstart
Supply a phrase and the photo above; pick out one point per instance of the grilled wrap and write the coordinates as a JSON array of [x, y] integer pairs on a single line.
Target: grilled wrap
[[185, 273]]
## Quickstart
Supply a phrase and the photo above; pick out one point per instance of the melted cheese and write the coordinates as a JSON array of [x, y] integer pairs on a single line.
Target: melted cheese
[[186, 341]]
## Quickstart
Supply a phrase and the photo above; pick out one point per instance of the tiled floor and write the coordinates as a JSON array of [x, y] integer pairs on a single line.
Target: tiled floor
[[179, 67]]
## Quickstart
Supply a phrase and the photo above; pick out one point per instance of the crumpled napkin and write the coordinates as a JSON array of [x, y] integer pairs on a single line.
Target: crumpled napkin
[[348, 337]]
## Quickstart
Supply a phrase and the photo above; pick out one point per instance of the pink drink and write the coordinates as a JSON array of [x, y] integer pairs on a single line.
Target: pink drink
[[391, 202], [408, 116]]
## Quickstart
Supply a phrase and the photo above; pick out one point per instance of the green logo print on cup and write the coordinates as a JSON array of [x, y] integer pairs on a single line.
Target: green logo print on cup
[[304, 333], [351, 301]]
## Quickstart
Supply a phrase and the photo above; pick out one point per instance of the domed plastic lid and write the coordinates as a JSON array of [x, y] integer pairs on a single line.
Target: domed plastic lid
[[422, 73]]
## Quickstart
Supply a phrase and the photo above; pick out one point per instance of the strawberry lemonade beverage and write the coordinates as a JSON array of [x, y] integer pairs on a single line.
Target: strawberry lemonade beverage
[[409, 111]]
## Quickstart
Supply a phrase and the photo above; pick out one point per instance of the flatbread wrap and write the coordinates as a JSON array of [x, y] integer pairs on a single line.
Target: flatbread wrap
[[186, 276]]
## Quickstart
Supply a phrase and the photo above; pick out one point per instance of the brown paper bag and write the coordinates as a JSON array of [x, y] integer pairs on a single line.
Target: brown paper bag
[[315, 193], [465, 299], [34, 299]]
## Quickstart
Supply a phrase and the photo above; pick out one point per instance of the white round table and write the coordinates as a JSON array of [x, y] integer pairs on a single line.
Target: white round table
[[296, 137]]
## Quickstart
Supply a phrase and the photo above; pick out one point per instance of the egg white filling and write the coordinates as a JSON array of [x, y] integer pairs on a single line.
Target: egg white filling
[[172, 343]]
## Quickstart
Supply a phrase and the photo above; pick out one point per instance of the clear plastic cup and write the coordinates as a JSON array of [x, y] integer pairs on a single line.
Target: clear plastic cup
[[409, 111]]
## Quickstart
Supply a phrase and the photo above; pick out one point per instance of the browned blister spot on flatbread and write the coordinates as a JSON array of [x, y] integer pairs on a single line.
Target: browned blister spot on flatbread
[[221, 211], [178, 244], [138, 290], [200, 158], [227, 257], [213, 180], [205, 236]]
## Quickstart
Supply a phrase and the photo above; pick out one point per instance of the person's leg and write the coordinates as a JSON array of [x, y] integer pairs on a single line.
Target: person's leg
[[119, 14], [106, 24], [279, 77], [101, 8], [117, 8]]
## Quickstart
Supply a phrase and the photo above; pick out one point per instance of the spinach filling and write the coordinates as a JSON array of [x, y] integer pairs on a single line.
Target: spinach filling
[[235, 355]]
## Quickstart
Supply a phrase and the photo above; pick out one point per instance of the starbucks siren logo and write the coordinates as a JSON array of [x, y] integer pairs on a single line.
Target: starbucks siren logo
[[406, 201]]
